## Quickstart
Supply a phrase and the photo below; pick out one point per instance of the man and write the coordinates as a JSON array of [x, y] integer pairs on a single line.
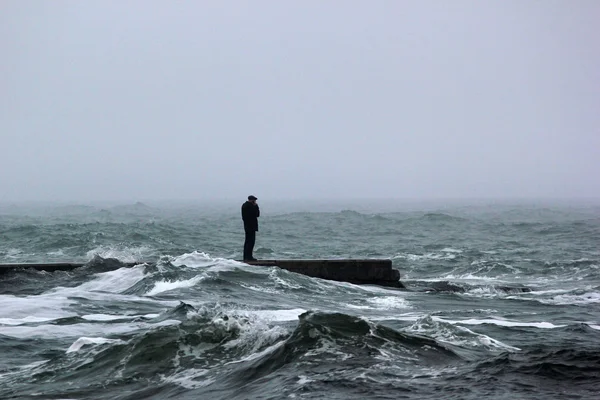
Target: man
[[250, 214]]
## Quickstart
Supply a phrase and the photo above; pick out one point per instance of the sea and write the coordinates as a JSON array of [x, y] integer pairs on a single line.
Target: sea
[[501, 301]]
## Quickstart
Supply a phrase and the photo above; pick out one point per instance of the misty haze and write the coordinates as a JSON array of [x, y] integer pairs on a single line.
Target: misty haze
[[157, 100]]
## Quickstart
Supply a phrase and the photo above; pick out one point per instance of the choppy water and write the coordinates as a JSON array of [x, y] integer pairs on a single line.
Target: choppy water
[[502, 302]]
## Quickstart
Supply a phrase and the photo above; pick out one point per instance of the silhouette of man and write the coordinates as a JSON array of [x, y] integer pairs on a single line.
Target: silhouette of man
[[250, 214]]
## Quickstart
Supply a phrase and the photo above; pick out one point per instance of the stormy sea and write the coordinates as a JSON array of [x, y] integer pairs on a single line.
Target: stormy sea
[[501, 301]]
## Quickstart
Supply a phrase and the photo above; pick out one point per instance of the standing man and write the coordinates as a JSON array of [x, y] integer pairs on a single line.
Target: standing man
[[250, 214]]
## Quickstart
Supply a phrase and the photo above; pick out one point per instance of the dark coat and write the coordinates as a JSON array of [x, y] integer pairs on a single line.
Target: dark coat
[[250, 214]]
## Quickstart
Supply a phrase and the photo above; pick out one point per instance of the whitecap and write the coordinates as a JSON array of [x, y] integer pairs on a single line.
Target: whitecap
[[111, 282], [502, 322], [51, 331], [572, 299], [43, 306], [165, 286], [82, 341], [389, 302], [123, 254], [451, 250], [106, 317], [276, 315], [261, 289], [188, 378], [25, 320]]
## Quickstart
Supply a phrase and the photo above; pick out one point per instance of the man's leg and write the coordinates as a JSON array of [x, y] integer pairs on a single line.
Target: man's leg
[[249, 244]]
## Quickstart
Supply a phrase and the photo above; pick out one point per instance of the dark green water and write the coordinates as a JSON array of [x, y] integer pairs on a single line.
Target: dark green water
[[502, 302]]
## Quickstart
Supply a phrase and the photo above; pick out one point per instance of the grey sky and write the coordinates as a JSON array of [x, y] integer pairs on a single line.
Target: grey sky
[[133, 100]]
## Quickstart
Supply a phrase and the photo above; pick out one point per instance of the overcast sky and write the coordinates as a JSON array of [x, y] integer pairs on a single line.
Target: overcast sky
[[138, 100]]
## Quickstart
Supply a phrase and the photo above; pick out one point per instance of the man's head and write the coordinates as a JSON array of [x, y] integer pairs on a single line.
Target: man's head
[[252, 199]]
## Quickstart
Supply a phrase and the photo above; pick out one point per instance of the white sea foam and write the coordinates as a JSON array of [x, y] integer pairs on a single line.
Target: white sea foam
[[254, 329], [279, 281], [22, 369], [261, 289], [202, 260], [123, 254], [359, 307], [165, 286], [103, 317], [258, 354], [502, 322], [13, 253], [82, 341], [451, 250], [276, 315], [597, 327], [193, 260], [399, 317], [108, 282], [468, 277], [303, 380], [470, 321], [446, 255], [188, 378], [327, 349], [572, 299], [106, 317], [42, 306], [448, 332], [25, 320], [389, 302], [51, 331]]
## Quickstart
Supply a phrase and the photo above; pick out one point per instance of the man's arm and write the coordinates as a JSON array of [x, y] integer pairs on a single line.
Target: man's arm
[[257, 211]]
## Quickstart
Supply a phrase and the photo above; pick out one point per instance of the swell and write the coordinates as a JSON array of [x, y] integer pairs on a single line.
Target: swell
[[227, 351]]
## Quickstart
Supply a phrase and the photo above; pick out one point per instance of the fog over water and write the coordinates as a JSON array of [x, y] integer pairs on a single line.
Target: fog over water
[[152, 100]]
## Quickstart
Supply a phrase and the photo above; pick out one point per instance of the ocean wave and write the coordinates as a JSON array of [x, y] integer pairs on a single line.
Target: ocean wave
[[451, 333], [121, 253]]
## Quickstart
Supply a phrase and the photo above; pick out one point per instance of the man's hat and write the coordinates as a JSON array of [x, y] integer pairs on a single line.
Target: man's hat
[[252, 198]]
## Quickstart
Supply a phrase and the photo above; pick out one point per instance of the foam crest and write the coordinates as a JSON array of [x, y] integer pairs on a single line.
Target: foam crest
[[503, 322], [111, 282], [446, 332], [389, 302], [204, 260], [451, 250], [25, 320], [188, 378], [106, 317], [469, 277], [13, 253], [279, 281], [165, 286], [43, 306], [259, 354], [51, 331], [83, 341], [448, 255], [572, 299], [255, 332], [247, 330], [261, 289], [275, 315], [123, 254]]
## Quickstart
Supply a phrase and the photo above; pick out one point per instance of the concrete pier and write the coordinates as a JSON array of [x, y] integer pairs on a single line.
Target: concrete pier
[[371, 271], [51, 267]]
